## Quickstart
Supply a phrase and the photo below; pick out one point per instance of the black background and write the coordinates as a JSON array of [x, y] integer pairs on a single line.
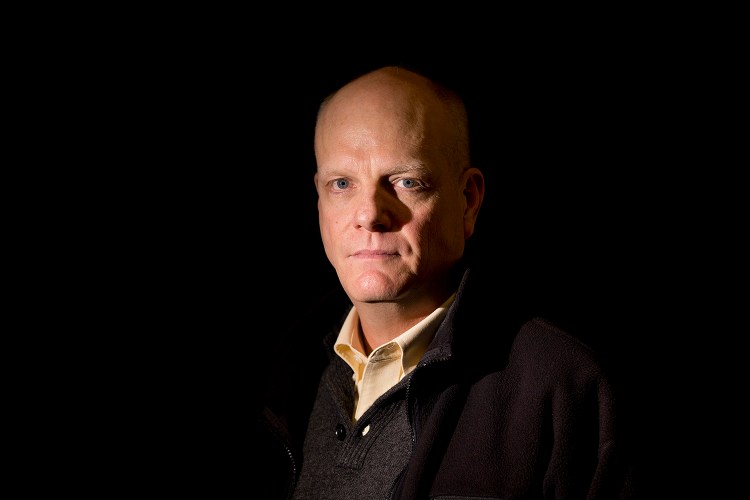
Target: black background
[[222, 211], [203, 222], [570, 142]]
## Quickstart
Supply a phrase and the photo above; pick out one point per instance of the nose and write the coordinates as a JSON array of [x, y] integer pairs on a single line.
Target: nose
[[374, 210]]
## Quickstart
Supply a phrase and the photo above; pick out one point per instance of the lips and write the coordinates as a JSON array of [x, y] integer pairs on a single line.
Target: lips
[[374, 253]]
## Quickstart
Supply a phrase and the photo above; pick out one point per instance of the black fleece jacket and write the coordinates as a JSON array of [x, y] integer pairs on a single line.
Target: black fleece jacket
[[498, 407]]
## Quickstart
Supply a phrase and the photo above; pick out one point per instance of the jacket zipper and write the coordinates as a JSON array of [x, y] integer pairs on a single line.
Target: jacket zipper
[[409, 417]]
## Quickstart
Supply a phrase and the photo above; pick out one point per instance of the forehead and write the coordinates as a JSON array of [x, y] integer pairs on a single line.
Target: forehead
[[388, 146], [392, 123]]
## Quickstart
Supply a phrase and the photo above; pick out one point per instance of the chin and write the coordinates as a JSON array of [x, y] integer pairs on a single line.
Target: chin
[[374, 287]]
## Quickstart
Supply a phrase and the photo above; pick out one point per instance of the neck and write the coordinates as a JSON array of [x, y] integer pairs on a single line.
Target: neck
[[382, 322]]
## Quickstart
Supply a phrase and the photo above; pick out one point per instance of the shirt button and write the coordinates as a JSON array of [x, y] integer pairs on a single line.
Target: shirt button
[[340, 432]]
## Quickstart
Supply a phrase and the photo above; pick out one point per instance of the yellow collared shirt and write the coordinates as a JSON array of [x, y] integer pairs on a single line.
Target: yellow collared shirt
[[389, 363]]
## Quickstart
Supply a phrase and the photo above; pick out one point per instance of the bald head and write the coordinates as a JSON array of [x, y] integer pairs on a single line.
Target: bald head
[[428, 114], [397, 197]]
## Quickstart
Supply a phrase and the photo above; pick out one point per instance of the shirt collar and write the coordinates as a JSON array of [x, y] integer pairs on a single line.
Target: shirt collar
[[411, 344]]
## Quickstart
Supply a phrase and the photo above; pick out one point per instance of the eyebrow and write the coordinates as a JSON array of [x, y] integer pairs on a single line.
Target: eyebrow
[[418, 167]]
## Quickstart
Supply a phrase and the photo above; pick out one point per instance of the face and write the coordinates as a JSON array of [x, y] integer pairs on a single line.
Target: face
[[392, 208]]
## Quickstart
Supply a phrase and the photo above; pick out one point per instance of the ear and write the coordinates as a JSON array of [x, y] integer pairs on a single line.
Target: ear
[[473, 182]]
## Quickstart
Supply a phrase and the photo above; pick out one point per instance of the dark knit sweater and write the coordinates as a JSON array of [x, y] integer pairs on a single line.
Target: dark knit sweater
[[365, 465], [493, 410]]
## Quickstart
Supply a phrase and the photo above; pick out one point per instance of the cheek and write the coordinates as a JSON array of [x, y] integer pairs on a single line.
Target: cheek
[[329, 228], [446, 232]]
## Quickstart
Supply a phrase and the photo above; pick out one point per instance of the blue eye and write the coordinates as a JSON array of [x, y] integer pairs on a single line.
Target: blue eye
[[409, 183], [341, 184]]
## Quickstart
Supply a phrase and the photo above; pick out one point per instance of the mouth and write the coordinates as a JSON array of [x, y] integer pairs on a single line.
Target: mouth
[[374, 254]]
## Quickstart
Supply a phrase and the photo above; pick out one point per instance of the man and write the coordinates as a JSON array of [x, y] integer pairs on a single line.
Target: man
[[426, 384]]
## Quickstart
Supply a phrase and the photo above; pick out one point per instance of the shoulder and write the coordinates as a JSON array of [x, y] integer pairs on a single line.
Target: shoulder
[[547, 337], [552, 351]]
